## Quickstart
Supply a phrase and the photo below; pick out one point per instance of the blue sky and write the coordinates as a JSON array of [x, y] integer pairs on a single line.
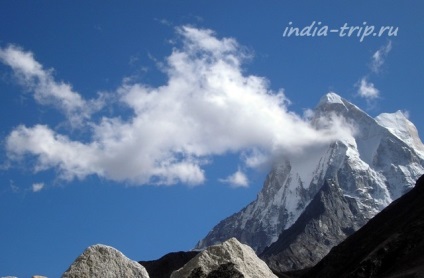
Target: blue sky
[[142, 124]]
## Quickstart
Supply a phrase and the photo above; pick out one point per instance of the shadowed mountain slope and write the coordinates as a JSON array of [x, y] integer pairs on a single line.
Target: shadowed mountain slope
[[326, 221], [390, 245]]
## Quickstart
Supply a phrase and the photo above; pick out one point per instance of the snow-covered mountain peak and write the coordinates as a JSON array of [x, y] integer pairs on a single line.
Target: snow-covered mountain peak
[[330, 98], [331, 105], [399, 125], [331, 102], [375, 165], [391, 119]]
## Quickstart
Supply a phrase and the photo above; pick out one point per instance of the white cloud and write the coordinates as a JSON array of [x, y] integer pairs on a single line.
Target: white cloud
[[238, 179], [367, 90], [13, 187], [378, 58], [37, 187], [164, 21], [47, 91], [73, 159], [207, 107]]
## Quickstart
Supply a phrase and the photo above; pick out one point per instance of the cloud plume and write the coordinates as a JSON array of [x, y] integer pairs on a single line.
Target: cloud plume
[[379, 57], [237, 179], [207, 107], [37, 187], [31, 75], [367, 90]]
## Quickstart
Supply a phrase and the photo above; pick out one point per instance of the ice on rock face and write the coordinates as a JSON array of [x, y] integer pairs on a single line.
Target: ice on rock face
[[330, 98], [399, 125], [375, 165], [396, 122]]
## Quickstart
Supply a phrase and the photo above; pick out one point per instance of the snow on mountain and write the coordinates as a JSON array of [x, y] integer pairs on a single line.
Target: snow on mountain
[[389, 245], [375, 165], [331, 98], [328, 219], [398, 124]]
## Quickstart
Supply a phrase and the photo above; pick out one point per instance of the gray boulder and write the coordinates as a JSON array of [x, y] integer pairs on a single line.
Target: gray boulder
[[104, 262], [229, 259]]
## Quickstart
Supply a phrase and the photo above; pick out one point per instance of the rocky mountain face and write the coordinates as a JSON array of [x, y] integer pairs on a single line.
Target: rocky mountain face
[[373, 166], [104, 262], [328, 219], [389, 245], [230, 259]]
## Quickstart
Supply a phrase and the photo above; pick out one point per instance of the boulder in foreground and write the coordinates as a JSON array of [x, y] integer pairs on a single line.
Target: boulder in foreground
[[229, 259], [101, 261]]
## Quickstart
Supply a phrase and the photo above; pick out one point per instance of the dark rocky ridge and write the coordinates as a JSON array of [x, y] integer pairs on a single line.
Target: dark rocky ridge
[[227, 270], [390, 245], [327, 220], [163, 267]]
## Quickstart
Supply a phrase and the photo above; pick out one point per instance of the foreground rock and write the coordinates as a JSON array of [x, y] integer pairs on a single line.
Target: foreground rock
[[104, 262], [389, 245], [229, 259]]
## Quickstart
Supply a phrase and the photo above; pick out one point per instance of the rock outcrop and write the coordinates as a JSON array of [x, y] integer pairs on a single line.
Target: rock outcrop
[[101, 261], [229, 259]]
